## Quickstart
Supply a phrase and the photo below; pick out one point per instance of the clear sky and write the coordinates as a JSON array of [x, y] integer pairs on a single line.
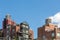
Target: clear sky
[[33, 11]]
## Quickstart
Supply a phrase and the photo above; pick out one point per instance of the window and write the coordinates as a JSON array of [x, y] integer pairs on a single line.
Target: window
[[23, 31], [26, 36], [44, 38], [8, 26], [13, 30], [53, 39], [19, 38], [7, 31], [26, 31], [7, 36], [26, 26], [53, 34], [47, 29], [27, 39], [58, 34], [23, 25]]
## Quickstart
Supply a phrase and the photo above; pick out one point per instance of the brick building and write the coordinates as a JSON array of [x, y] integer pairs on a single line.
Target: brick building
[[49, 31], [13, 31]]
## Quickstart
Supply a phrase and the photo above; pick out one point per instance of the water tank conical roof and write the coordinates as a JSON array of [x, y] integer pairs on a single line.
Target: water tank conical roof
[[48, 20], [8, 16]]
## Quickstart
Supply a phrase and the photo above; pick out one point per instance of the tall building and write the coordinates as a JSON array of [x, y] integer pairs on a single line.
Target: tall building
[[49, 31], [13, 31]]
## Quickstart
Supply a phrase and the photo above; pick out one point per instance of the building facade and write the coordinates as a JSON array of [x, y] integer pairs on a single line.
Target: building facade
[[49, 31], [13, 31]]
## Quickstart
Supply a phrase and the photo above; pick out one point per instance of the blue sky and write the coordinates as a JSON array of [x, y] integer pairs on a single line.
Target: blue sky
[[33, 11]]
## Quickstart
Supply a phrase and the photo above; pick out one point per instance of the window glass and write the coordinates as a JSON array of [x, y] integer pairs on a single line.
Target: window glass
[[26, 26], [8, 27], [44, 37], [26, 39], [26, 36], [23, 25], [52, 34], [13, 30], [26, 31], [7, 31], [58, 34]]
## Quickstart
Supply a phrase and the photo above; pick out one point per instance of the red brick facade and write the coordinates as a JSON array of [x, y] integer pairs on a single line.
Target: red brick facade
[[13, 28], [49, 31]]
